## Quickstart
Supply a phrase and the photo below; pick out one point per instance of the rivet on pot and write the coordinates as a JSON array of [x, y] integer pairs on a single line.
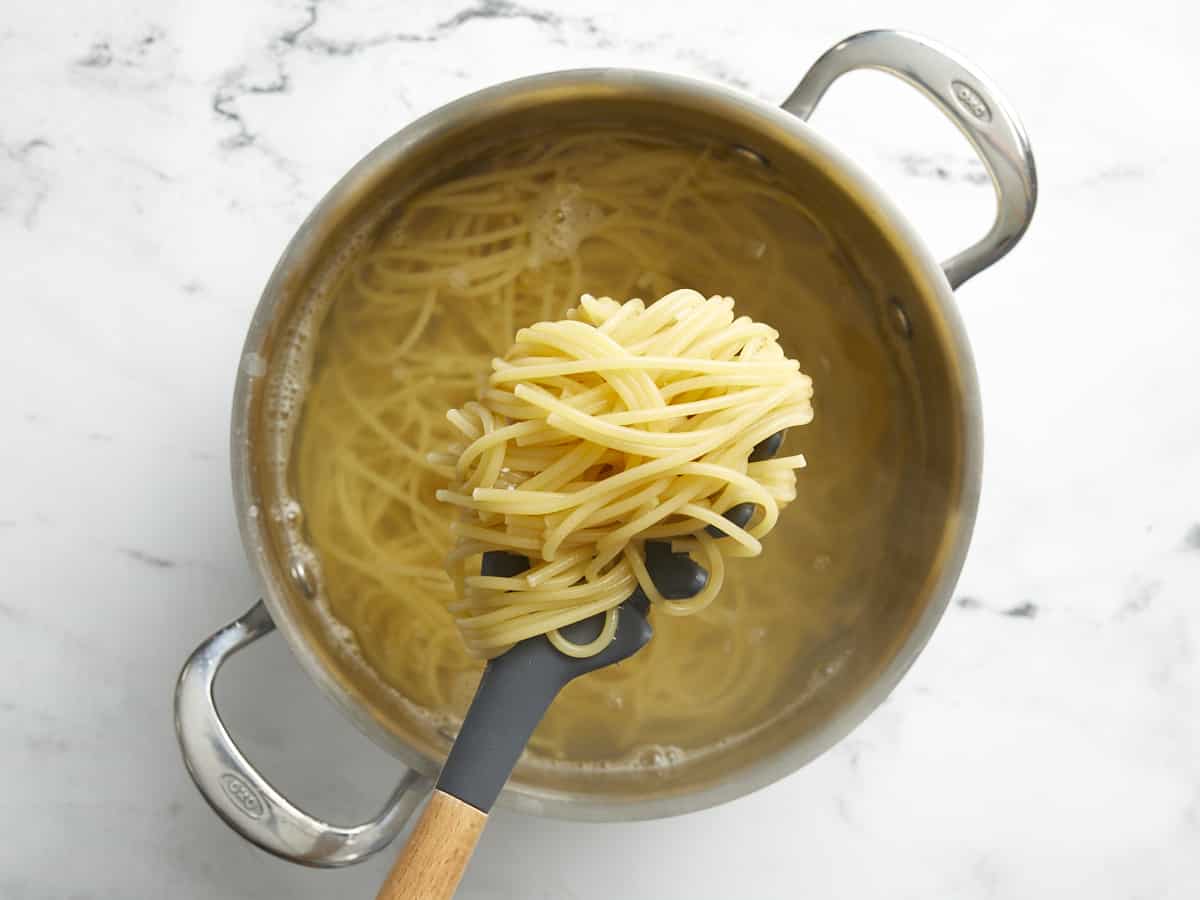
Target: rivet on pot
[[900, 319], [752, 155], [303, 577]]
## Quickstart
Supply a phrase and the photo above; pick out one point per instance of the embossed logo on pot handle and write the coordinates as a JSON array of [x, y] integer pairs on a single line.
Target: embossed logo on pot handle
[[243, 797]]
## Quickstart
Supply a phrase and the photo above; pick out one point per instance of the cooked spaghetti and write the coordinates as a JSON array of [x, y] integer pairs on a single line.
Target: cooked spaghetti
[[624, 423]]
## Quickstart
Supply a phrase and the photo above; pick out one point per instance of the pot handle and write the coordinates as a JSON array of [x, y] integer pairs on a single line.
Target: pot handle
[[240, 795], [968, 98]]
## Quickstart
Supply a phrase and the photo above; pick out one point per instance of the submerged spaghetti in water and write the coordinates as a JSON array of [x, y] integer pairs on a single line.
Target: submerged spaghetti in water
[[625, 423], [405, 327]]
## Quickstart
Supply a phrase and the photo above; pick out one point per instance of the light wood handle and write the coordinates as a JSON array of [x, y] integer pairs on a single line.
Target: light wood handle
[[433, 861]]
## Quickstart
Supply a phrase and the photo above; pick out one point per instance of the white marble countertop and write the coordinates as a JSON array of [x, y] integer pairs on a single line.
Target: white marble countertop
[[154, 160]]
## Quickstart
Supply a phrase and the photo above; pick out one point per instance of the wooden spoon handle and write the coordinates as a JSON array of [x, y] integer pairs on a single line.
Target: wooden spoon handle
[[433, 861]]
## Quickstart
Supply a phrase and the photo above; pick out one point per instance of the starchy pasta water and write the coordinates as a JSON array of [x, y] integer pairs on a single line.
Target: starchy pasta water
[[404, 325]]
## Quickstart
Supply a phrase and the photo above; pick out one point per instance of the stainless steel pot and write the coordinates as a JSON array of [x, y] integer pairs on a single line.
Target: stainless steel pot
[[898, 273]]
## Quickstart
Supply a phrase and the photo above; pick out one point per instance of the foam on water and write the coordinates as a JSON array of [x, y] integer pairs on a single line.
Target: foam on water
[[283, 405], [563, 219]]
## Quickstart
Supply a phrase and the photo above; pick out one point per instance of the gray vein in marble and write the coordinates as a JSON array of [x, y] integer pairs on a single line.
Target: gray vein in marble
[[1191, 540], [106, 437], [149, 559], [987, 875], [501, 9], [46, 743], [304, 37], [99, 56], [34, 713], [232, 88], [844, 810], [144, 166], [1117, 172], [236, 83], [223, 103], [102, 54], [943, 167], [1141, 595], [159, 562], [1024, 610], [715, 68], [22, 156], [12, 614], [852, 753]]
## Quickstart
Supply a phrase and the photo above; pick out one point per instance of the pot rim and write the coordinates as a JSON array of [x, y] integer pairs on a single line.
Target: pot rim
[[908, 245]]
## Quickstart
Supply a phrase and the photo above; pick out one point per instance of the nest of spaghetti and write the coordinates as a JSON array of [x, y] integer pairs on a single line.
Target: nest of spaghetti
[[622, 424]]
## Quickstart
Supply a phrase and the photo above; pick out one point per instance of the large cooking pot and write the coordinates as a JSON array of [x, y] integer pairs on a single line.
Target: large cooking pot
[[896, 273]]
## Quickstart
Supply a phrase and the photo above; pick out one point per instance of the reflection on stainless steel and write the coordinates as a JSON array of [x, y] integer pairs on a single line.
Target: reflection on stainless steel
[[236, 790], [964, 94]]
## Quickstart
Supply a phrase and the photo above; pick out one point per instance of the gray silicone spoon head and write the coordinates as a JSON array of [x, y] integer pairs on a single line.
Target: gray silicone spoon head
[[518, 686]]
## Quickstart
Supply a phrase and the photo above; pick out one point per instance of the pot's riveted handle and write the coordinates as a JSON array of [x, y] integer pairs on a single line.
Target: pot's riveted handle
[[968, 98], [240, 795]]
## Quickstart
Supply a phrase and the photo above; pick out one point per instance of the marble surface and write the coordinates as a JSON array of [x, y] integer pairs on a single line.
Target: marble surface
[[154, 159]]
